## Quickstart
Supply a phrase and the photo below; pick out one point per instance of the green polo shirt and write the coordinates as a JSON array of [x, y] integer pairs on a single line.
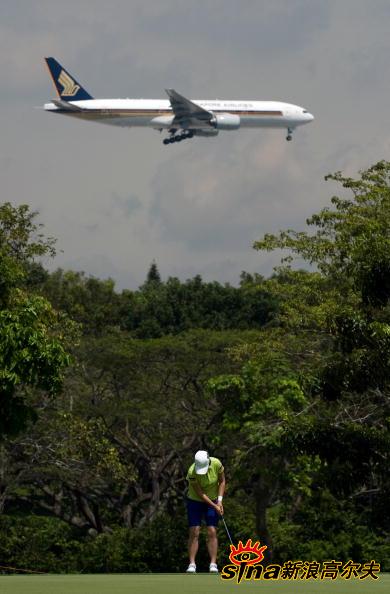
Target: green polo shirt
[[208, 482]]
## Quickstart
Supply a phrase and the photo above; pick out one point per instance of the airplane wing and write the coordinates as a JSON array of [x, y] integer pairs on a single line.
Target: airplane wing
[[187, 111]]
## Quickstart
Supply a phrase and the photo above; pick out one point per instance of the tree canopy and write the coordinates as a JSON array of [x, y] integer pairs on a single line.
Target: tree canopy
[[311, 403], [286, 379], [32, 351]]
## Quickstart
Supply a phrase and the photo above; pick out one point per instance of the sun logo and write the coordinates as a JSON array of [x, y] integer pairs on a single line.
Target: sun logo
[[250, 553]]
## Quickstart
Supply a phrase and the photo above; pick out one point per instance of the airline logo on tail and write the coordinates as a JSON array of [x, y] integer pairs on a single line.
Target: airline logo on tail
[[70, 88]]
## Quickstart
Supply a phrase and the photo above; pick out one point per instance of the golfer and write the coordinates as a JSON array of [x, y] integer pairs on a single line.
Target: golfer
[[206, 486]]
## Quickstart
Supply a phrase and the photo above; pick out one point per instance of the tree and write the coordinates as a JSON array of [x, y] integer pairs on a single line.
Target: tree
[[91, 302], [153, 277], [318, 385], [20, 244], [173, 306], [351, 244], [32, 352], [113, 449]]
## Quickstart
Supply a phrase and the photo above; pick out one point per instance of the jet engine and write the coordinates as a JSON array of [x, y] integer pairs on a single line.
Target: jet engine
[[225, 121]]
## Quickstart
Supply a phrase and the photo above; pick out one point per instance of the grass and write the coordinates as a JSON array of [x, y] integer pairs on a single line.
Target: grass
[[179, 584]]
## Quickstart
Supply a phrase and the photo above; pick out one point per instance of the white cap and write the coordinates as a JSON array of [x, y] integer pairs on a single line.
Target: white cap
[[202, 462]]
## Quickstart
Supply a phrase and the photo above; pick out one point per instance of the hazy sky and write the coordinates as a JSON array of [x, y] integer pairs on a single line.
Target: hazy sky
[[117, 198]]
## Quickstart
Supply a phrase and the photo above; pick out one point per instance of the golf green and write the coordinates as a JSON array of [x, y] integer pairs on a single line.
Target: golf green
[[179, 584]]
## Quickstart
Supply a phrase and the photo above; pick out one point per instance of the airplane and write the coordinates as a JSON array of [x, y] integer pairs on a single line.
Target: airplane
[[182, 118]]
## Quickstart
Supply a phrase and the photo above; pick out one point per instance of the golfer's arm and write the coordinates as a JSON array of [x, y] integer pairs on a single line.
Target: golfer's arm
[[203, 495], [222, 484]]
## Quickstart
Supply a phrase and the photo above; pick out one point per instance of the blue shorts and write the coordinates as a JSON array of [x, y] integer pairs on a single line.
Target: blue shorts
[[196, 510]]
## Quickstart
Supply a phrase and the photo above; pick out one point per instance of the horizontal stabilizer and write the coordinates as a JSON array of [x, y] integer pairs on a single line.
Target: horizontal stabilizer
[[66, 105]]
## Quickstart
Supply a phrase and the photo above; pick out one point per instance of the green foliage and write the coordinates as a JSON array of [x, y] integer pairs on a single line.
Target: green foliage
[[113, 447], [326, 527], [32, 352], [91, 302], [20, 235], [158, 308], [153, 277], [285, 379], [86, 446], [351, 243], [29, 354], [20, 243], [317, 385], [47, 544], [38, 543], [265, 395]]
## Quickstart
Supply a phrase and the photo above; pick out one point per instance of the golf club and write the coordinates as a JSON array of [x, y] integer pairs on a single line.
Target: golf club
[[227, 531]]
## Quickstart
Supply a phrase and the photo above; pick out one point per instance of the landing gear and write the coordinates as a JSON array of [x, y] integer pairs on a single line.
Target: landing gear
[[289, 134], [185, 134]]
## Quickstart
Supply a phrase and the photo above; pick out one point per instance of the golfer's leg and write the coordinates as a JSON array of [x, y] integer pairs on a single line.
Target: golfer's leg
[[193, 542], [212, 543]]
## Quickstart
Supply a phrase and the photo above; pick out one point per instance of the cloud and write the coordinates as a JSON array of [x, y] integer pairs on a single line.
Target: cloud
[[117, 198], [125, 206], [222, 199], [240, 27]]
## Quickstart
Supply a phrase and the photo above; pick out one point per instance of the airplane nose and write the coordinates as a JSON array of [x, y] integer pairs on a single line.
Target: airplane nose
[[306, 117]]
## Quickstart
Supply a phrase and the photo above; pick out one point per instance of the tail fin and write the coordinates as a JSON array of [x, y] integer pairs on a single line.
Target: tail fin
[[68, 88]]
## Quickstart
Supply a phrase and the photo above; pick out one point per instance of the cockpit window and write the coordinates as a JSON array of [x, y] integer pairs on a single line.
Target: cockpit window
[[304, 111]]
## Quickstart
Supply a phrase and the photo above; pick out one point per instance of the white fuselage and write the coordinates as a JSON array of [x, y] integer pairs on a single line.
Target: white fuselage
[[158, 114]]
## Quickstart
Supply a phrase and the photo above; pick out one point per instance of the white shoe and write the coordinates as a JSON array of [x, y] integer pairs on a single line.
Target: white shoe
[[213, 568], [191, 568]]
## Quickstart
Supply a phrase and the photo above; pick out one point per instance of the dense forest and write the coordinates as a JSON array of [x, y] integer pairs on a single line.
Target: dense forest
[[105, 396]]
